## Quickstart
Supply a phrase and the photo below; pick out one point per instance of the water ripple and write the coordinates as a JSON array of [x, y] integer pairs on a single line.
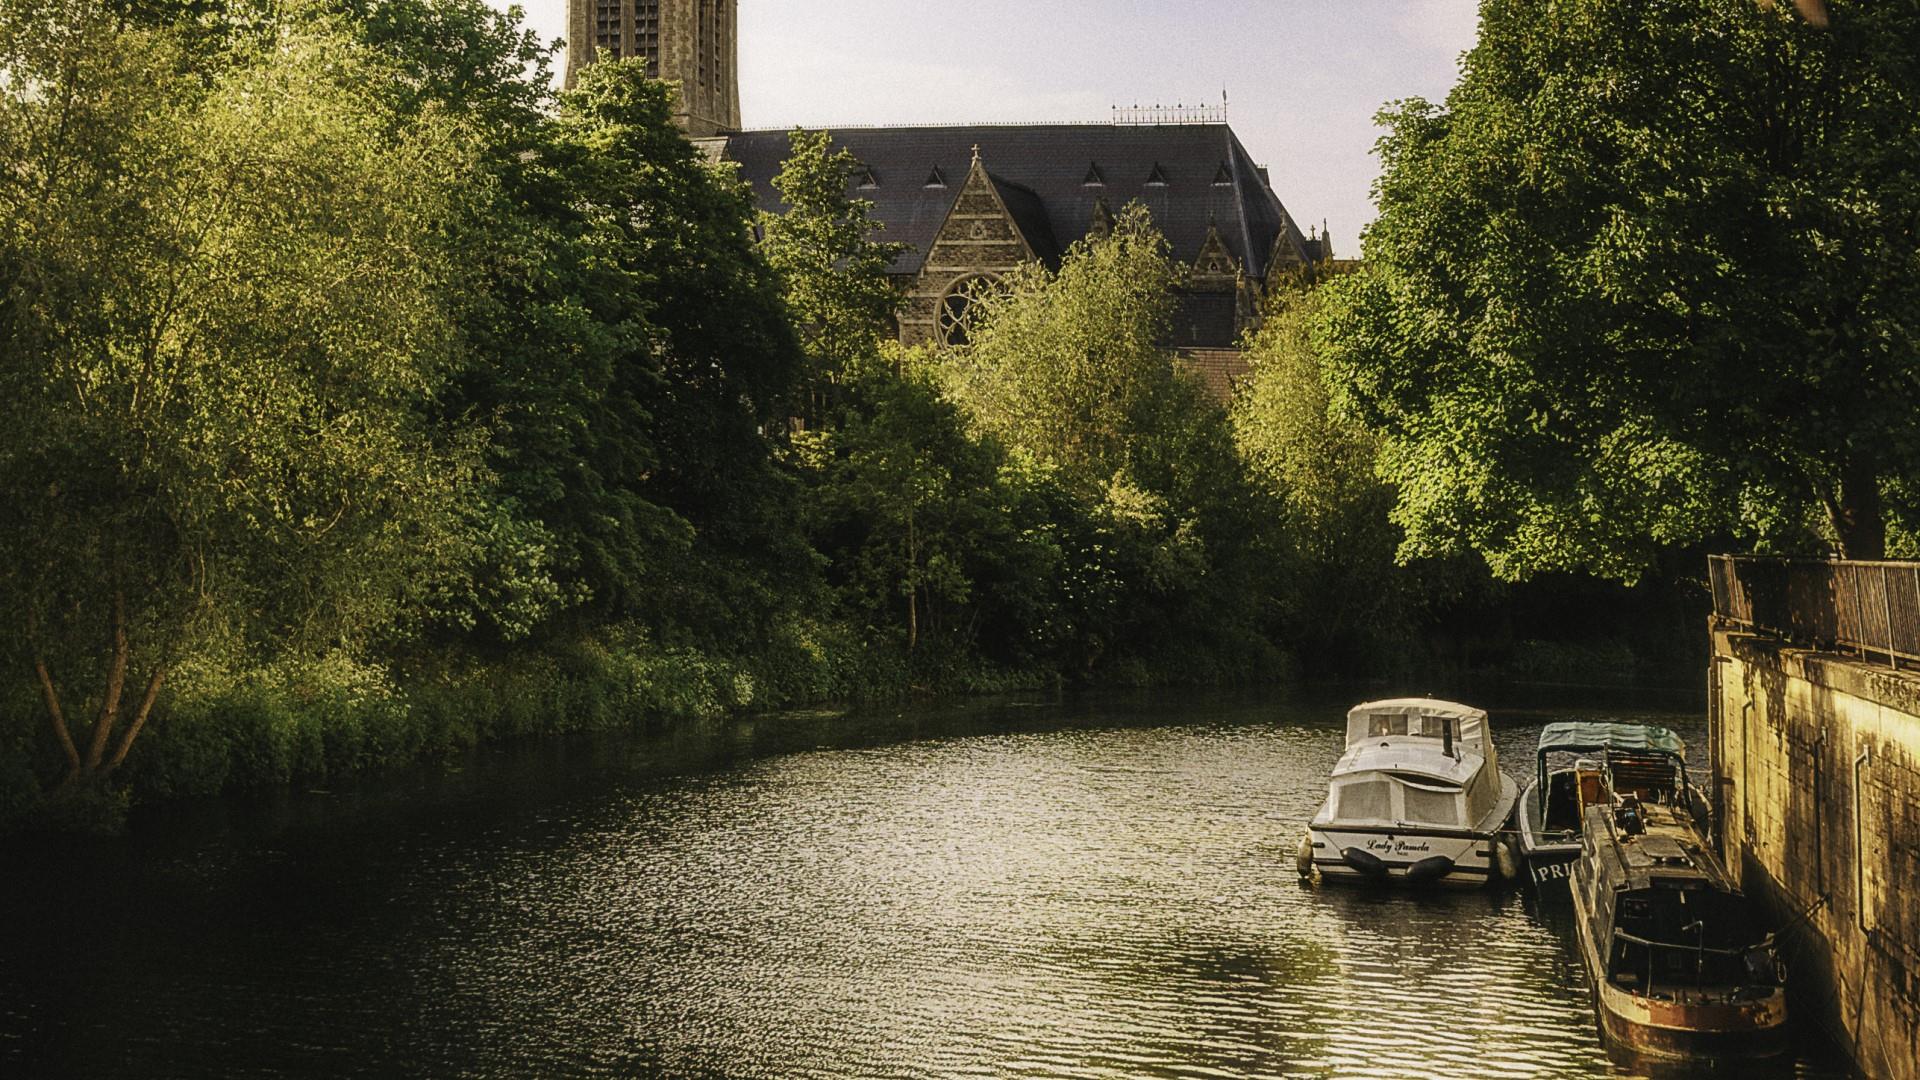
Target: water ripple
[[1094, 901]]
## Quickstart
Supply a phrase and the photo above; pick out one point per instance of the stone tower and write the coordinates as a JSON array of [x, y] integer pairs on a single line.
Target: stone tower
[[694, 43]]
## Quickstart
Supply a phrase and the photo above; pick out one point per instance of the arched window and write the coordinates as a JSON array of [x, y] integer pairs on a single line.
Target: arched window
[[960, 306]]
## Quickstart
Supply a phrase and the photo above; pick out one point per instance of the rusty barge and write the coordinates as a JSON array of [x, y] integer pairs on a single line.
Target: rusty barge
[[1681, 965]]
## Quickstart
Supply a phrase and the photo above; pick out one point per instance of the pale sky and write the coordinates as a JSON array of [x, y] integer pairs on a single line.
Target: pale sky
[[1304, 77]]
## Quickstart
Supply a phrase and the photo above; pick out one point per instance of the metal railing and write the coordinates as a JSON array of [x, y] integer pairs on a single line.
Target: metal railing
[[1871, 608]]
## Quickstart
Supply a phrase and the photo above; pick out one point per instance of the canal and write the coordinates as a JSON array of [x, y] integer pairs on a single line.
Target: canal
[[1103, 888]]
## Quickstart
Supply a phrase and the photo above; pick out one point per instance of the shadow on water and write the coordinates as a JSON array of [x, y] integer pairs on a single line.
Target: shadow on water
[[1023, 887]]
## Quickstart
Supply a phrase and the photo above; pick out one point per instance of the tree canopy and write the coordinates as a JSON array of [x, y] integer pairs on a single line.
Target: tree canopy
[[223, 300], [1647, 278]]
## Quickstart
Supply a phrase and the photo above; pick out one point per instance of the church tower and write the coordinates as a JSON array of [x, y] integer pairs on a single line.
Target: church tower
[[694, 43]]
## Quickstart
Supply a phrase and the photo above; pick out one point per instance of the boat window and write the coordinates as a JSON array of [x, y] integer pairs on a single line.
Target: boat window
[[1430, 727], [1387, 725], [1433, 807], [1366, 800]]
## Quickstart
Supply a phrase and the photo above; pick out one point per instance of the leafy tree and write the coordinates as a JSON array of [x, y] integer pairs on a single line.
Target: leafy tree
[[223, 299], [833, 270], [909, 507], [703, 369], [1161, 543], [1342, 597], [1648, 278], [1065, 366]]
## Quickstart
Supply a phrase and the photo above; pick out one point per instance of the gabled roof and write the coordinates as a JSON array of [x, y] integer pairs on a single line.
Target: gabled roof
[[1030, 217], [1049, 163]]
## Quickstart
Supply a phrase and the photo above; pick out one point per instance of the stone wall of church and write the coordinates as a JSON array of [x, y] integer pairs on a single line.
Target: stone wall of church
[[700, 49], [979, 239]]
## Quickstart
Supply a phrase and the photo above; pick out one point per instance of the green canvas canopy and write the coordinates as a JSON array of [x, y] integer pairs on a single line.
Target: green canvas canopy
[[1588, 736]]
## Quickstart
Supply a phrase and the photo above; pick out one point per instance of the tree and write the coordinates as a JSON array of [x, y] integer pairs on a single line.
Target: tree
[[703, 367], [833, 271], [1160, 532], [223, 297], [907, 506], [1648, 278], [1064, 366], [1341, 598]]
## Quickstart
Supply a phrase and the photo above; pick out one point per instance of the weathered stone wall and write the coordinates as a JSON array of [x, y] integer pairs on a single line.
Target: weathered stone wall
[[698, 50], [978, 239], [1816, 759]]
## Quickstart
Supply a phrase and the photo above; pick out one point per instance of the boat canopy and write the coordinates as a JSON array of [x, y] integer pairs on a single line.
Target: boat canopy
[[1603, 735], [1421, 716], [1589, 736]]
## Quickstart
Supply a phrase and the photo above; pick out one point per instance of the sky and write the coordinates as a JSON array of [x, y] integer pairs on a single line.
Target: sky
[[1303, 78]]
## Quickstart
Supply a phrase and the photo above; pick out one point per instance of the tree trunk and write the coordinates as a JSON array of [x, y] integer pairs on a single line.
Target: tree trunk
[[58, 718], [139, 719], [1856, 513], [116, 683], [913, 584]]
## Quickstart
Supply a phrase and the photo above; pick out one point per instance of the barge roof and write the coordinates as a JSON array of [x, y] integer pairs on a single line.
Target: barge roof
[[1670, 852]]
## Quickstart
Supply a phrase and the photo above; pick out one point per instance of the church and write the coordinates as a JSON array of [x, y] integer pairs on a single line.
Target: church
[[971, 202]]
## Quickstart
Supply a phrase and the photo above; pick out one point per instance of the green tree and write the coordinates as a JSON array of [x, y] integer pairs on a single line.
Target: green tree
[[833, 271], [703, 366], [1066, 366], [1160, 531], [223, 296], [1648, 278], [1342, 598], [908, 507]]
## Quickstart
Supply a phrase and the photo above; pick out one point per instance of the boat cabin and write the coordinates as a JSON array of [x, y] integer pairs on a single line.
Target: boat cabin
[[1416, 760]]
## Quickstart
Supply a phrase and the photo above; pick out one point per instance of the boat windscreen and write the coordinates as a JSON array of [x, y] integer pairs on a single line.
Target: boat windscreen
[[1363, 800]]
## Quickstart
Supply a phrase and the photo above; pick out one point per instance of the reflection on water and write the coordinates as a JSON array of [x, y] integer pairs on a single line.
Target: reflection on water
[[1101, 890]]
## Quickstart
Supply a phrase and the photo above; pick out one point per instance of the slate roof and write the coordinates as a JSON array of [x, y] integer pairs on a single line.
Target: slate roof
[[1030, 214], [1209, 178]]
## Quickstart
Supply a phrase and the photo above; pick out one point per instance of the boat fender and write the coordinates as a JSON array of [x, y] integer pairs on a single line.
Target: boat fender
[[1364, 861], [1303, 859], [1506, 860], [1430, 869]]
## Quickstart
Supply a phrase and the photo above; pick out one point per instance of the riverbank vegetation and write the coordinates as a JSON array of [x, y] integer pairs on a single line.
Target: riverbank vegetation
[[366, 399]]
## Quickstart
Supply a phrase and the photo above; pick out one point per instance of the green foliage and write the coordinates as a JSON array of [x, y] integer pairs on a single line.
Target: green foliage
[[224, 302], [1065, 367], [1344, 598], [366, 400], [1158, 530], [1647, 279], [833, 271]]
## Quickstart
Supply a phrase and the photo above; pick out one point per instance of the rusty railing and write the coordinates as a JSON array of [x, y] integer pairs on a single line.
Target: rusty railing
[[1870, 608]]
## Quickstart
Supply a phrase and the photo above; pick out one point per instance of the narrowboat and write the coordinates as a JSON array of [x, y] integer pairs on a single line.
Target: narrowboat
[[1683, 968], [1574, 769], [1416, 798]]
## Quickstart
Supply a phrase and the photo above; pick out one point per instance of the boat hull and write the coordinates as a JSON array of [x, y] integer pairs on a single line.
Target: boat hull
[[1404, 858], [1546, 860], [1669, 1031]]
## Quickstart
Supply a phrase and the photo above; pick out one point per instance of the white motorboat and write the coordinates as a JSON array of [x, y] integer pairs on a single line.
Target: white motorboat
[[1417, 798]]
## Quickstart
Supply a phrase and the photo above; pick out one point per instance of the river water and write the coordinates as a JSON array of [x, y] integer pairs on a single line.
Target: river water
[[1102, 888]]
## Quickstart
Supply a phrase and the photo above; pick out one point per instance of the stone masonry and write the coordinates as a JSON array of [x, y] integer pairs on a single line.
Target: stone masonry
[[1816, 763]]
